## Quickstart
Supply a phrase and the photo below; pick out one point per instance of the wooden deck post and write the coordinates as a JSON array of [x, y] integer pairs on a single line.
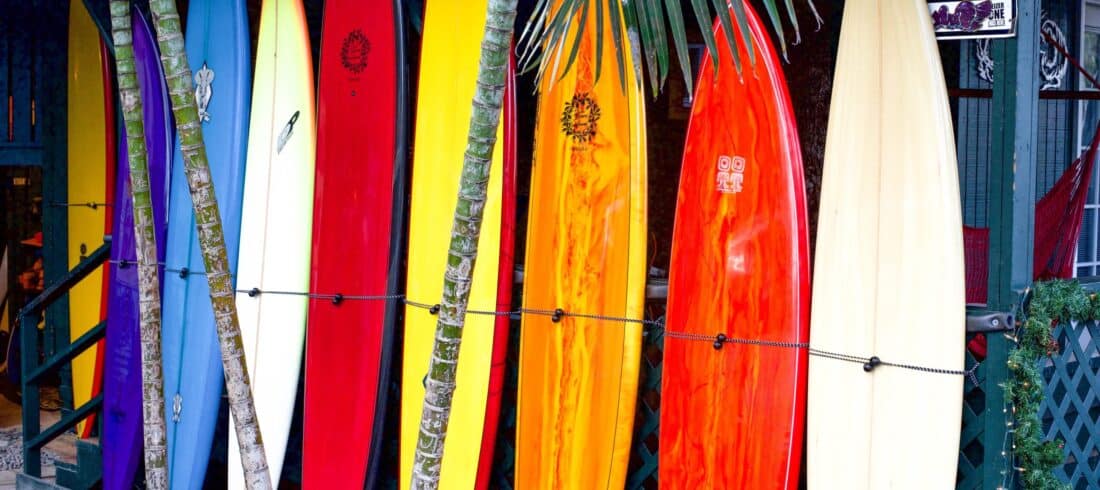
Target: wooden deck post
[[1011, 212]]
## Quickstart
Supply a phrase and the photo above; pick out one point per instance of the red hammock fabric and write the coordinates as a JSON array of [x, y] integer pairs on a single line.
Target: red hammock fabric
[[1057, 226], [976, 257]]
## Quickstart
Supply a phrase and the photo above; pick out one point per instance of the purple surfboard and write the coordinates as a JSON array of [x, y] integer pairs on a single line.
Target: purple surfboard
[[122, 421]]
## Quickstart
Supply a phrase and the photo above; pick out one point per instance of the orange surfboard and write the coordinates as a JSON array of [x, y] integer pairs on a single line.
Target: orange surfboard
[[586, 248]]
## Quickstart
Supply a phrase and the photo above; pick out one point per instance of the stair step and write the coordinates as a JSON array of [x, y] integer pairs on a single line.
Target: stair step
[[24, 481], [88, 470]]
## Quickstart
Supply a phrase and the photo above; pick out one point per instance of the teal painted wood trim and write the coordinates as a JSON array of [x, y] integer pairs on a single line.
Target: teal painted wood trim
[[1011, 213], [28, 342], [85, 342], [52, 103], [55, 291], [1025, 146], [20, 70], [67, 422], [991, 418], [29, 317], [1002, 130], [6, 21], [21, 157], [87, 473], [1012, 171]]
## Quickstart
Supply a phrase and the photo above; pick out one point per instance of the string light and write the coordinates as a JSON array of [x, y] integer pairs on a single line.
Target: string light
[[1032, 339]]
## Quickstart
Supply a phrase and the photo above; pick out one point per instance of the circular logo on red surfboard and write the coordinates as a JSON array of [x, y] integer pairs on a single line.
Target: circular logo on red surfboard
[[579, 118], [355, 51]]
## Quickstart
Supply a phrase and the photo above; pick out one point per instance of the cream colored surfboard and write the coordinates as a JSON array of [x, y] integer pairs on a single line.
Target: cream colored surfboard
[[276, 227], [889, 265]]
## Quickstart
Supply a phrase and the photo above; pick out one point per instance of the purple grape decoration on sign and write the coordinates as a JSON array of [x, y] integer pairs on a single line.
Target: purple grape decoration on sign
[[967, 16]]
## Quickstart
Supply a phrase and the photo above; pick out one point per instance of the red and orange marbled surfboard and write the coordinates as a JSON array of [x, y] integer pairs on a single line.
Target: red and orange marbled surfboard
[[733, 417]]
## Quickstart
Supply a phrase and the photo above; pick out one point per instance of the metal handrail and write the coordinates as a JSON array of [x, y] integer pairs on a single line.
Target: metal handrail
[[30, 315]]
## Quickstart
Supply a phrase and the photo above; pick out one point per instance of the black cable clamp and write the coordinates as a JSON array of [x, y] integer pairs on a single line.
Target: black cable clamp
[[184, 272], [337, 299], [123, 263], [252, 293], [434, 309], [557, 316], [719, 341], [872, 363]]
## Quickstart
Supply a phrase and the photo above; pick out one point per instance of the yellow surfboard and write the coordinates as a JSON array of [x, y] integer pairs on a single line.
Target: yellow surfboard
[[586, 247], [88, 175], [448, 75]]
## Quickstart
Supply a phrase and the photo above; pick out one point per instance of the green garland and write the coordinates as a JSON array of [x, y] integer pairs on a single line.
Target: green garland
[[1051, 302]]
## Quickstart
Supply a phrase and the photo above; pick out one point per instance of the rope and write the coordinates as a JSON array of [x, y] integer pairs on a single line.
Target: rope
[[183, 272], [86, 205], [556, 315]]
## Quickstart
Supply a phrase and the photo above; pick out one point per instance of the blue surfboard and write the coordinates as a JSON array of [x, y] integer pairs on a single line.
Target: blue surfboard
[[218, 45]]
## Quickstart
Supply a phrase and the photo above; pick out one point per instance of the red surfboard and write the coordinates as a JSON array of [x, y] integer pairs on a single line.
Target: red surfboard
[[358, 241], [505, 281], [733, 415], [108, 222]]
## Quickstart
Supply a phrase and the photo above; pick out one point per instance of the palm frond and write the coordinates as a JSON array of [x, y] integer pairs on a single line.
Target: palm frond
[[702, 15], [617, 35], [577, 39], [726, 22], [679, 37], [645, 27], [637, 22], [777, 24]]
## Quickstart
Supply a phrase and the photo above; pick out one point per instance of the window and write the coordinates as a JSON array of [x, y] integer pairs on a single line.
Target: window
[[1088, 254]]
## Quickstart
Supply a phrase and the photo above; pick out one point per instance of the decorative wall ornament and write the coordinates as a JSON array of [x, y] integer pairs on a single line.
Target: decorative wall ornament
[[985, 61], [1052, 64]]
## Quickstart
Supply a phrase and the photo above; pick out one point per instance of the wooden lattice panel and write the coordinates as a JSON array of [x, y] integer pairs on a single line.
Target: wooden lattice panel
[[972, 442], [1070, 411]]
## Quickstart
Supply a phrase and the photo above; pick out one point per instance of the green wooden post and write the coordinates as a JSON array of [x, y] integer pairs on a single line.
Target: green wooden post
[[1011, 211], [53, 126], [28, 344]]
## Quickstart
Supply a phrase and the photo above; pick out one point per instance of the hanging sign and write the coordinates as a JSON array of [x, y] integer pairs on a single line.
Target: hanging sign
[[973, 19]]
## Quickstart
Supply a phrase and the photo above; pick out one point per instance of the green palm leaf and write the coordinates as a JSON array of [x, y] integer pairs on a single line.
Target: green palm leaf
[[648, 23]]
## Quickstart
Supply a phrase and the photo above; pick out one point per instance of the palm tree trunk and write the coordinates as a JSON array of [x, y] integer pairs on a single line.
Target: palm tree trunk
[[211, 241], [156, 470], [487, 103]]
